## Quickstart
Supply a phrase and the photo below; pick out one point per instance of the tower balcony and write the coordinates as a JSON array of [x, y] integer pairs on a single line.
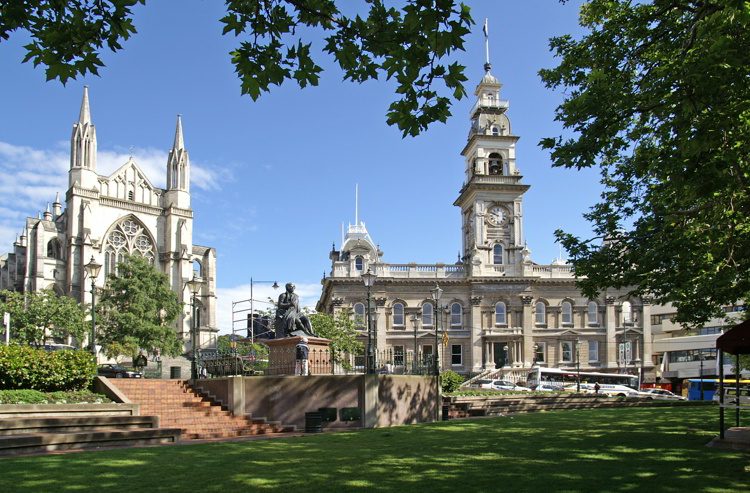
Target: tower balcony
[[493, 104]]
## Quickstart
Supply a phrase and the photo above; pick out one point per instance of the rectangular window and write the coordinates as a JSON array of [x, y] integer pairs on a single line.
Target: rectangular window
[[398, 355], [456, 354], [593, 351], [566, 351], [540, 351], [427, 353]]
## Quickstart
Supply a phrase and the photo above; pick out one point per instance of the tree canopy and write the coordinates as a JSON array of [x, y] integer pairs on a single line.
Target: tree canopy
[[35, 315], [340, 330], [136, 310], [411, 45], [657, 96]]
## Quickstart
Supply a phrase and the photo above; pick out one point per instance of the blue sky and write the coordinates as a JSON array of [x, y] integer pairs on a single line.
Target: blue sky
[[273, 180]]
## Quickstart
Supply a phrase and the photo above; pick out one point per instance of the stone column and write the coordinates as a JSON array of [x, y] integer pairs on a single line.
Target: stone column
[[478, 361], [528, 328], [647, 336], [611, 324]]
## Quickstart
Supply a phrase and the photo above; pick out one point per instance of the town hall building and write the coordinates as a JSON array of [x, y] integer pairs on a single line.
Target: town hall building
[[105, 218], [498, 308]]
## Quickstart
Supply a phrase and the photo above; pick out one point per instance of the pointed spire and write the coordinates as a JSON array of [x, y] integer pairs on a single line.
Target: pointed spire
[[179, 141], [85, 115]]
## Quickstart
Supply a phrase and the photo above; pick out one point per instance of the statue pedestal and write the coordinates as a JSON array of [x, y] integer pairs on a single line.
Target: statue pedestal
[[282, 356]]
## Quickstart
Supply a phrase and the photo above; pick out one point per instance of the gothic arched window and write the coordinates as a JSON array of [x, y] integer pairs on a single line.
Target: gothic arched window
[[54, 250], [128, 237]]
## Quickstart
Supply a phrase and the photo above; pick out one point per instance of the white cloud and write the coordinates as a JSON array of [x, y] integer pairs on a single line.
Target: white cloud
[[32, 177], [308, 294]]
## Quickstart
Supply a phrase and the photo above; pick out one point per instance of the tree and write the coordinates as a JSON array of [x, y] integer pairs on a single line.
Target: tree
[[36, 315], [340, 330], [657, 97], [410, 45], [136, 310]]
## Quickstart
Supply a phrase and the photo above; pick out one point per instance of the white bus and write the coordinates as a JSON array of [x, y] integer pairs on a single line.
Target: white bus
[[560, 378]]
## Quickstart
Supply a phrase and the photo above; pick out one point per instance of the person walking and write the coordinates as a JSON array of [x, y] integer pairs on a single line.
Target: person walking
[[302, 357]]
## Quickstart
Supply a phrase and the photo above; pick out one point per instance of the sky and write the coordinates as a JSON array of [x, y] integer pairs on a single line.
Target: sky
[[273, 180]]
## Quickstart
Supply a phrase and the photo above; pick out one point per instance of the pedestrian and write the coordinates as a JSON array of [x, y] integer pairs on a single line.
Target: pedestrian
[[303, 351], [140, 361], [596, 387]]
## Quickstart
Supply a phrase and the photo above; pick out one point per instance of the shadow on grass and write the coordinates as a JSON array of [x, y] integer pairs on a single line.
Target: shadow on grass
[[654, 449]]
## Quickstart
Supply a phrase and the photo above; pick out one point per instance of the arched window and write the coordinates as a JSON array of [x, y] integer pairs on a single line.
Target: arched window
[[128, 237], [567, 313], [198, 313], [398, 314], [427, 312], [627, 313], [53, 249], [359, 315], [540, 313], [495, 130], [197, 268], [497, 254], [500, 314], [592, 313], [359, 263], [456, 312], [496, 164]]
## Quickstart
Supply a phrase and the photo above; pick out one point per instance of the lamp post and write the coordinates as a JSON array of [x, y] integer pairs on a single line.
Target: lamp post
[[700, 357], [578, 366], [92, 270], [194, 285], [436, 293], [415, 320], [369, 279], [252, 309]]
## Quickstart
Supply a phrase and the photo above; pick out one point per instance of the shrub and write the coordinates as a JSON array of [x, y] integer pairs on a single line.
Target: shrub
[[24, 367], [36, 397], [450, 381]]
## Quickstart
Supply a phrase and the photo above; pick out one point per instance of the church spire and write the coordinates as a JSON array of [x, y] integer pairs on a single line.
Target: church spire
[[178, 164], [83, 147], [85, 114]]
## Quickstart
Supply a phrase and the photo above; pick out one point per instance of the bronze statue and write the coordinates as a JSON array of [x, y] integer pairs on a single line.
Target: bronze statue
[[290, 321]]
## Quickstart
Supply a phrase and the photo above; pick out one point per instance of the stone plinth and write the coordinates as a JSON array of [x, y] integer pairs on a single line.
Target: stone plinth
[[282, 356]]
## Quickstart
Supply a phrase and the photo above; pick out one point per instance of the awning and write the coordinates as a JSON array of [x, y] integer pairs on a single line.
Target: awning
[[736, 340]]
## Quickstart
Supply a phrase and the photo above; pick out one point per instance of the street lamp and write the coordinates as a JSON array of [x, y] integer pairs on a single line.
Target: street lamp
[[578, 365], [92, 270], [436, 293], [194, 285], [252, 310], [700, 357], [369, 279], [415, 320]]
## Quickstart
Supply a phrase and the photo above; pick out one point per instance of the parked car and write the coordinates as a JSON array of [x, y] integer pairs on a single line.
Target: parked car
[[481, 384], [507, 385], [545, 387], [661, 394], [117, 371], [57, 347]]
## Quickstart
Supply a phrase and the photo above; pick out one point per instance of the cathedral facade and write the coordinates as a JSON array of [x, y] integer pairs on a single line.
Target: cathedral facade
[[498, 308], [105, 218]]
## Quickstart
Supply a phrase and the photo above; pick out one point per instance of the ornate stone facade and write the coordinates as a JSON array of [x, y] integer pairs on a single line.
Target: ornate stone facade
[[498, 307], [107, 217]]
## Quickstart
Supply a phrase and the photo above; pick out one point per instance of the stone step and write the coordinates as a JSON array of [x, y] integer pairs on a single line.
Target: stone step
[[47, 442], [19, 426]]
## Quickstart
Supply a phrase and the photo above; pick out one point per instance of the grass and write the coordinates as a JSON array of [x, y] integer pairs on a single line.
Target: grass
[[635, 449]]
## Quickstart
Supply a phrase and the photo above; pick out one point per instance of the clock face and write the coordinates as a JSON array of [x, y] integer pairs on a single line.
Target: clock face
[[497, 215]]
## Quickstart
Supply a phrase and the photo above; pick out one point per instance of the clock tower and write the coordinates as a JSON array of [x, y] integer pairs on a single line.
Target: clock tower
[[492, 194]]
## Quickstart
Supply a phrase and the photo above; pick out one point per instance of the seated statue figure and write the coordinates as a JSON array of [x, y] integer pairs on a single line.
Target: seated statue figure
[[290, 321]]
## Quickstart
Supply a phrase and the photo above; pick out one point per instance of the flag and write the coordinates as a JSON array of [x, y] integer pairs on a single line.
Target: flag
[[445, 339], [486, 28]]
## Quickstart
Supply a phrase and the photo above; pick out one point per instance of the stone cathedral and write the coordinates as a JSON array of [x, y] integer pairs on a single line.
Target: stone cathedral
[[107, 217], [499, 308]]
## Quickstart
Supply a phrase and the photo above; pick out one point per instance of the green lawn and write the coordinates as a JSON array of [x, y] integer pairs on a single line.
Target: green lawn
[[636, 449]]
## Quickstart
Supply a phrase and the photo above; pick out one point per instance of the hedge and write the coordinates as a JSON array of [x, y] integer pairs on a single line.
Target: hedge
[[24, 367]]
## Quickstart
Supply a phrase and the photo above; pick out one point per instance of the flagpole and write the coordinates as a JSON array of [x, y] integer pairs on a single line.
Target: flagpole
[[486, 31]]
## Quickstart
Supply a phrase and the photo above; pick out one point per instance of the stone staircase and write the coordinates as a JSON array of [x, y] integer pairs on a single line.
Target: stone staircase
[[178, 406]]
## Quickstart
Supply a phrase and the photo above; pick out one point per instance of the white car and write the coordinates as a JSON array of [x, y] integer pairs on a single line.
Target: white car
[[661, 394], [543, 387]]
